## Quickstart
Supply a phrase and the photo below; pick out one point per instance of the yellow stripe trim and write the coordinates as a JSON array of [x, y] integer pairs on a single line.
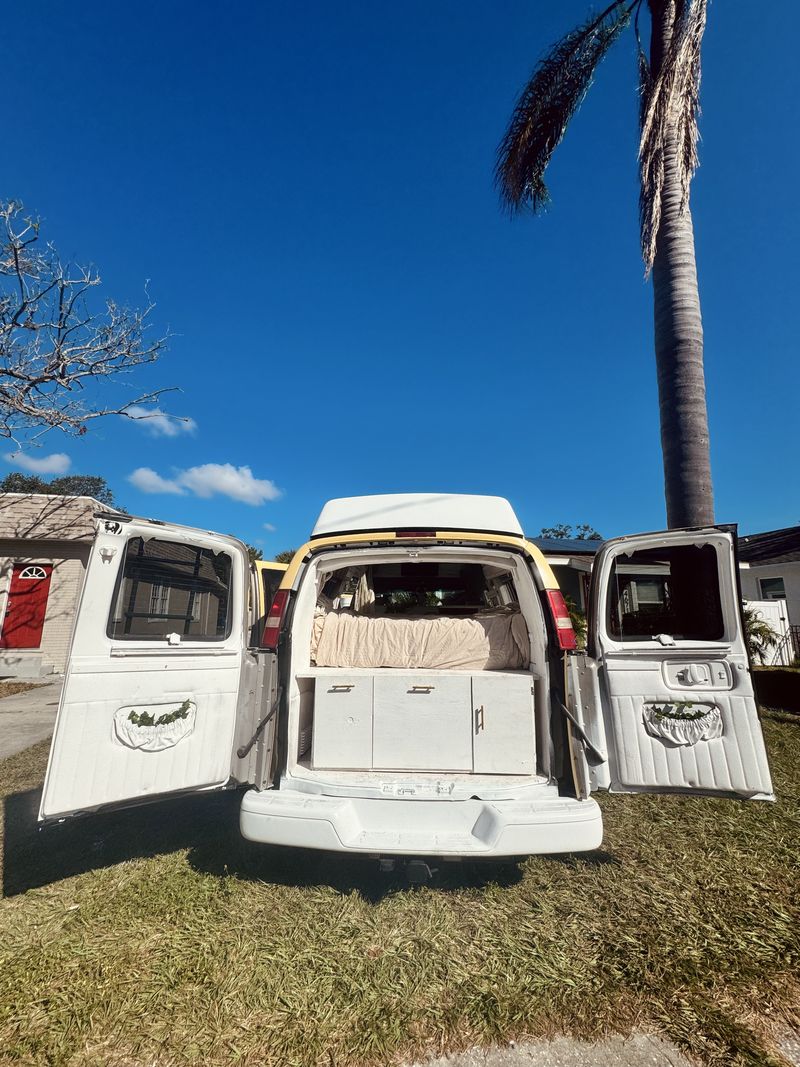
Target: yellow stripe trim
[[546, 575]]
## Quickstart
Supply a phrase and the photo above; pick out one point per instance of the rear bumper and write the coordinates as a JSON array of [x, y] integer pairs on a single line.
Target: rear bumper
[[468, 828]]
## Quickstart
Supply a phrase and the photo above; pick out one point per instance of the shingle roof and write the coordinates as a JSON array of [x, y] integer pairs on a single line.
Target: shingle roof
[[42, 517], [774, 546], [566, 546]]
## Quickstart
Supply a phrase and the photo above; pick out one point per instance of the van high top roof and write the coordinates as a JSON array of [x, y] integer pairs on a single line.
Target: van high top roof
[[417, 511]]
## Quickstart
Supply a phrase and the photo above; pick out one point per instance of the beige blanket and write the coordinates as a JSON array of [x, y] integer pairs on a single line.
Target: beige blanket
[[487, 642]]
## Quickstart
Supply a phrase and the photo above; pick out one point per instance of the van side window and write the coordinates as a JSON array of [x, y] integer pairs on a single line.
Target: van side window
[[671, 591], [168, 587]]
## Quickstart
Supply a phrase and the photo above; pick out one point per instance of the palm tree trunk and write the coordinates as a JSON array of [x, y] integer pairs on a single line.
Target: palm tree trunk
[[679, 332]]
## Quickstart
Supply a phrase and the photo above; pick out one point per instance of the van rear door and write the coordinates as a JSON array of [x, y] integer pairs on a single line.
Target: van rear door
[[160, 689], [668, 665]]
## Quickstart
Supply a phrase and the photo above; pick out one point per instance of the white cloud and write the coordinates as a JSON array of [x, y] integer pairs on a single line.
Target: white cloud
[[57, 463], [146, 480], [223, 478], [159, 424], [207, 480], [269, 526]]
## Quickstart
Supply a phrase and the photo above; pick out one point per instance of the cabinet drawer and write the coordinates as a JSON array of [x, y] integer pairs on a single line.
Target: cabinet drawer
[[422, 722], [342, 737]]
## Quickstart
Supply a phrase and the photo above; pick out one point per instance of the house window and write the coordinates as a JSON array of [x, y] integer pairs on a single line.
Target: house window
[[772, 588], [170, 587], [671, 591], [159, 601]]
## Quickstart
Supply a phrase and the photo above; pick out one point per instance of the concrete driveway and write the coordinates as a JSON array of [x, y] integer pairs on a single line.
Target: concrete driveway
[[28, 717], [639, 1050]]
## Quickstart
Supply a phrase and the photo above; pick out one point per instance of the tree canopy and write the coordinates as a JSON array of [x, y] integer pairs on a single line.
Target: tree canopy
[[564, 531], [286, 556], [67, 485]]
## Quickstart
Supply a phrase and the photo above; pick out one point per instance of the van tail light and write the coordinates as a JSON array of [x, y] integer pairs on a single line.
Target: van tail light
[[272, 629], [414, 533], [561, 619]]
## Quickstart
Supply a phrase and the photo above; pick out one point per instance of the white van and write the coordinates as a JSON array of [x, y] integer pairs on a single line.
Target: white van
[[417, 690]]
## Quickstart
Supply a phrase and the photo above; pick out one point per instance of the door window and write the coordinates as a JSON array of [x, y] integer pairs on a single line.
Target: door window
[[170, 587], [673, 590]]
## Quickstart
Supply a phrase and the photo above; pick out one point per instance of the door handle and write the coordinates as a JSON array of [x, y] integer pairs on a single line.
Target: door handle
[[479, 720]]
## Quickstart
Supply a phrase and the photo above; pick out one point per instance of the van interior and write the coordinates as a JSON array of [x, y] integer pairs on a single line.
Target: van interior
[[429, 663]]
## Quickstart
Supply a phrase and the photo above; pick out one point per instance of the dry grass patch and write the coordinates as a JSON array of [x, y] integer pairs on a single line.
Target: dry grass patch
[[158, 936], [11, 688]]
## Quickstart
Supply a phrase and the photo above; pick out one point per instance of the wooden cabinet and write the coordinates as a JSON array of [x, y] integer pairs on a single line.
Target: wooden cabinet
[[422, 722], [418, 721], [342, 734], [503, 730]]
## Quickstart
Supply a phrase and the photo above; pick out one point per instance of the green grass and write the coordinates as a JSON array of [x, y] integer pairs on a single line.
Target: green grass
[[157, 936]]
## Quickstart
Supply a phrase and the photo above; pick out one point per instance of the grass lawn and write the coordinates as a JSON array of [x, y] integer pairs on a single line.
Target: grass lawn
[[157, 936]]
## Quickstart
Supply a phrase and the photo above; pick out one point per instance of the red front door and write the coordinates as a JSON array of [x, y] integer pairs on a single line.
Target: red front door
[[27, 605]]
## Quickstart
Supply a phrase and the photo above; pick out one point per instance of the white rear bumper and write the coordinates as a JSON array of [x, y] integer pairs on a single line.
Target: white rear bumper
[[470, 828]]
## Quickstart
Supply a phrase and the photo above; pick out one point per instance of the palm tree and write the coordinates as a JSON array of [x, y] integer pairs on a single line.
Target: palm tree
[[669, 85]]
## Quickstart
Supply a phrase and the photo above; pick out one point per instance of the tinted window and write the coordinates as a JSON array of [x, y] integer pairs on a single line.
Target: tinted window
[[167, 587], [671, 591], [270, 581]]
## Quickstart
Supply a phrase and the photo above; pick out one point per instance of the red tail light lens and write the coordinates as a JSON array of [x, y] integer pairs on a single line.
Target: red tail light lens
[[414, 533], [272, 629], [563, 623]]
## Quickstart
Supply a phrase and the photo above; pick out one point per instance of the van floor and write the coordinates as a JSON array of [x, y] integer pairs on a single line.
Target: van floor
[[376, 774], [484, 785]]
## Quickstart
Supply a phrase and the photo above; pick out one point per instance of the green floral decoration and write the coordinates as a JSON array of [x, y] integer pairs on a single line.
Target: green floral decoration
[[683, 710], [144, 718]]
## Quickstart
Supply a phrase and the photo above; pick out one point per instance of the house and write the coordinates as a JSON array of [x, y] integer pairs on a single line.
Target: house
[[771, 568], [571, 560], [44, 549]]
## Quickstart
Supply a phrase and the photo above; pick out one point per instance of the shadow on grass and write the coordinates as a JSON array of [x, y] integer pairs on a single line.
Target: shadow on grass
[[208, 828]]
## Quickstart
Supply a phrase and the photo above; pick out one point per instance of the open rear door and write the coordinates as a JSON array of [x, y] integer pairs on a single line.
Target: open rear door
[[671, 665], [155, 695]]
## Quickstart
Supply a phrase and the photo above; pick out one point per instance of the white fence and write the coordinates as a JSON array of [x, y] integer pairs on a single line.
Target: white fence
[[775, 615]]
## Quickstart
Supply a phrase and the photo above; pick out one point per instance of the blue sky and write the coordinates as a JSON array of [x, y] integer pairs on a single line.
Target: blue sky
[[308, 188]]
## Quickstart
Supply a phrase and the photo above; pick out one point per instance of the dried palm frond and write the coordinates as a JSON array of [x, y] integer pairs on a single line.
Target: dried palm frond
[[546, 105], [670, 104]]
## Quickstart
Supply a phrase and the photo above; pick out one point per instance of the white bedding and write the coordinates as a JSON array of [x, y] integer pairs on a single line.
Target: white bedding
[[492, 642]]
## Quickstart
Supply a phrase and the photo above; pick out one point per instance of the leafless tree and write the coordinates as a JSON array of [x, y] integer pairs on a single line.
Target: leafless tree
[[56, 351]]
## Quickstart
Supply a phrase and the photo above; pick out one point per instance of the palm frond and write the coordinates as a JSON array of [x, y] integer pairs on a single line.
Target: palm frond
[[670, 105], [546, 105]]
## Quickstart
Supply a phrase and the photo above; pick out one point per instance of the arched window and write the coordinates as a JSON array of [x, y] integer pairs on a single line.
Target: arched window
[[33, 573]]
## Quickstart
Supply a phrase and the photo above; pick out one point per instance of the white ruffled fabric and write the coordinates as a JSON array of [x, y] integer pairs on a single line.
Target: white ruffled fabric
[[683, 731], [153, 738]]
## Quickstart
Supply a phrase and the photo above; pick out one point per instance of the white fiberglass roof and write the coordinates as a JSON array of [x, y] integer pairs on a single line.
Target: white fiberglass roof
[[425, 511]]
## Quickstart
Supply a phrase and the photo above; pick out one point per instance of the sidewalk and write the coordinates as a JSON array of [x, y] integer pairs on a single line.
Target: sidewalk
[[639, 1050], [28, 717]]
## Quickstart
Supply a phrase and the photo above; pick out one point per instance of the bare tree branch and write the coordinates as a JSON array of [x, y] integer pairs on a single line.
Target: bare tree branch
[[56, 351]]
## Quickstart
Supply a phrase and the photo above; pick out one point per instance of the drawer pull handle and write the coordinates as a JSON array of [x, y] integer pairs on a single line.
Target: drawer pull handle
[[421, 688], [341, 688]]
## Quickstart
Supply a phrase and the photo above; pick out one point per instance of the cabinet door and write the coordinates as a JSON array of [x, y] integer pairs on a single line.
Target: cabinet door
[[502, 724], [422, 722], [342, 735]]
